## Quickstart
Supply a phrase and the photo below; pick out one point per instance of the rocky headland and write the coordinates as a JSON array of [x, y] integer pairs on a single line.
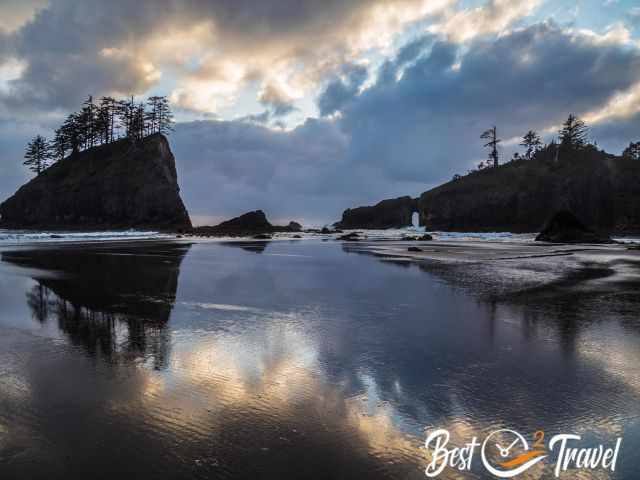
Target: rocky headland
[[392, 213], [601, 190]]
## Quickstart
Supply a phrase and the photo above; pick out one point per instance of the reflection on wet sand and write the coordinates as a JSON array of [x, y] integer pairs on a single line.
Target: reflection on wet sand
[[111, 301], [335, 372]]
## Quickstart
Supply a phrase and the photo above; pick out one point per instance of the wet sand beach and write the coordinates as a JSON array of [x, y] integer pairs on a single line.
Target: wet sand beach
[[308, 359]]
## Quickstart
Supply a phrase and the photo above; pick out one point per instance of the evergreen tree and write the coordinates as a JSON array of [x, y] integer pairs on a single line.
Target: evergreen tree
[[632, 151], [71, 131], [532, 143], [573, 133], [492, 136], [126, 115], [37, 154], [165, 116], [106, 119], [87, 121], [153, 115], [60, 145]]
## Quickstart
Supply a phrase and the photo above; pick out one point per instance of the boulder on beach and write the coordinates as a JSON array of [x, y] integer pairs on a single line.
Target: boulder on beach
[[565, 227]]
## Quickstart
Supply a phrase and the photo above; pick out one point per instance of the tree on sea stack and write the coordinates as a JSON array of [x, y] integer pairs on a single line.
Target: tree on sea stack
[[165, 117], [492, 136], [632, 151], [37, 154], [532, 143], [573, 133], [101, 124]]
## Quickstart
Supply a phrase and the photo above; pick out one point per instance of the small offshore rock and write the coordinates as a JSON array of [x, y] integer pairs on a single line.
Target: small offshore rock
[[350, 237], [294, 227]]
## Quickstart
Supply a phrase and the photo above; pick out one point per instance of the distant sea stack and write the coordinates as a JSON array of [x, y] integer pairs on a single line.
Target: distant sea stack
[[120, 185], [601, 190], [247, 224], [392, 213]]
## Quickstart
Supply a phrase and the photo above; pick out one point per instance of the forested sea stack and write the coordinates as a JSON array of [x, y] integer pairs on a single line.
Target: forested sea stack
[[129, 183]]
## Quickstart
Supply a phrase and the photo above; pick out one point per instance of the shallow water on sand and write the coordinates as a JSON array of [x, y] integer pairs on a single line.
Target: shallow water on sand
[[286, 360]]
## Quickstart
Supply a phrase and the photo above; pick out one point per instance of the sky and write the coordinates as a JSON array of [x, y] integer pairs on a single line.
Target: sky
[[305, 108]]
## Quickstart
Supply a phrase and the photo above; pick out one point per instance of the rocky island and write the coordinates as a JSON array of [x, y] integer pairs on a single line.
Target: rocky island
[[248, 224], [120, 185]]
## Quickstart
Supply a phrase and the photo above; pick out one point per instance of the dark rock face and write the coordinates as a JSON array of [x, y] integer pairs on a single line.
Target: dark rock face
[[564, 227], [350, 237], [249, 222], [120, 185], [601, 190], [393, 213], [294, 227]]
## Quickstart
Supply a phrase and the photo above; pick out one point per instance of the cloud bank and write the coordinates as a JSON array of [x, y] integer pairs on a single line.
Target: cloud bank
[[387, 97]]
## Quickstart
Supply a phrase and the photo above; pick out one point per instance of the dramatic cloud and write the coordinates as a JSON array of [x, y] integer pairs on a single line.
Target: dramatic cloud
[[276, 100], [342, 89], [212, 48], [414, 127], [15, 13], [427, 124], [403, 88], [494, 17]]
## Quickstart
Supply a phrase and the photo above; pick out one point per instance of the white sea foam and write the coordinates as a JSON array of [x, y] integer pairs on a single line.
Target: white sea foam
[[16, 237]]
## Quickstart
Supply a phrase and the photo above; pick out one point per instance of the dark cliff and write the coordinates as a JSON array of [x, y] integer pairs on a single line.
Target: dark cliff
[[602, 190], [392, 213], [119, 185]]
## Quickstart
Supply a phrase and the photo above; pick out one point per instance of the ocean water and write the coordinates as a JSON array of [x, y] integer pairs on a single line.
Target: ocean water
[[292, 359], [13, 237], [17, 237]]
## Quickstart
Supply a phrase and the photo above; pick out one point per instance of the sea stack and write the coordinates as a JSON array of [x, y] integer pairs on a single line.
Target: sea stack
[[392, 213], [121, 185]]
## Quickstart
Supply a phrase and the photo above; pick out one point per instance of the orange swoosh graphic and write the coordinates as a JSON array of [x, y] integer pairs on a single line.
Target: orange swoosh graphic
[[522, 459]]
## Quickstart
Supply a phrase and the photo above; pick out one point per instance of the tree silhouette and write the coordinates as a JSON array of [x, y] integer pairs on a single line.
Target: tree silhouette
[[153, 115], [532, 143], [71, 131], [106, 118], [632, 151], [37, 154], [126, 115], [100, 124], [492, 136], [87, 123], [165, 117], [573, 133], [60, 145]]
